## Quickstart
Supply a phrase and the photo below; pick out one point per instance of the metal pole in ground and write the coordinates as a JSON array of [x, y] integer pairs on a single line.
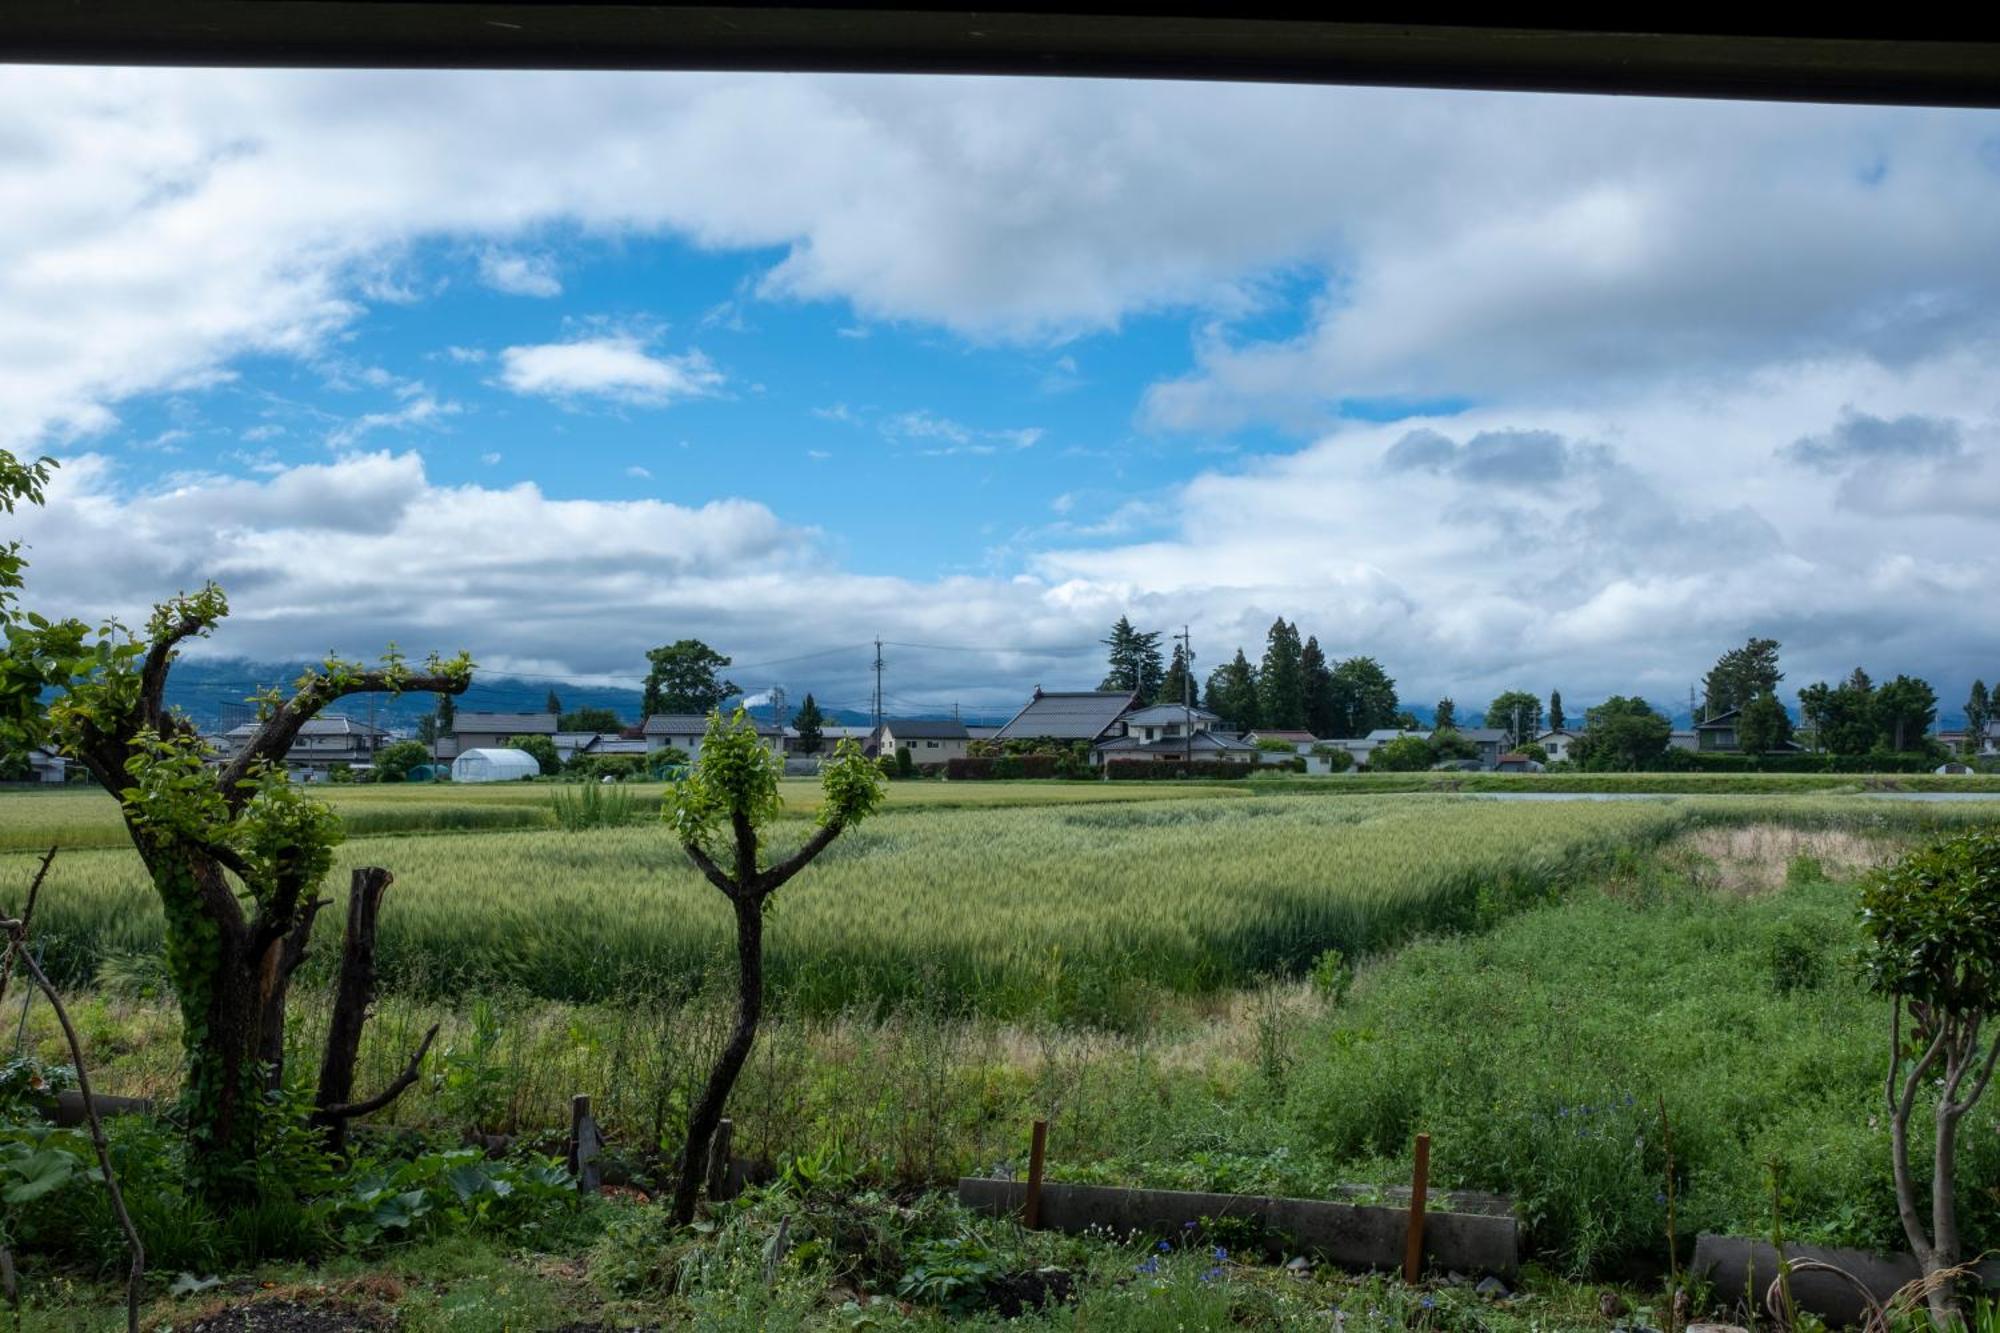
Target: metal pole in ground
[[1420, 1180]]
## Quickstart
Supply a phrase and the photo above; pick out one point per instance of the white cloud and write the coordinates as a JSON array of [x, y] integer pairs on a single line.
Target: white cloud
[[613, 368], [945, 436], [519, 274], [639, 473]]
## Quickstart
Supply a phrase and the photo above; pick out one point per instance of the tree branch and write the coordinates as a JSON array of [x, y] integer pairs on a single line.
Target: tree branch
[[799, 860], [153, 677], [1985, 1077], [706, 864], [326, 1115], [274, 739]]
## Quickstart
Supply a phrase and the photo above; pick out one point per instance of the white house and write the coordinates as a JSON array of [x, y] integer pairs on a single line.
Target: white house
[[1557, 742], [1172, 731], [683, 731], [926, 742]]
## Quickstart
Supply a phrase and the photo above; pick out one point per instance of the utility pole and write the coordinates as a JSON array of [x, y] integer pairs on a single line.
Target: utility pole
[[878, 685], [1187, 698]]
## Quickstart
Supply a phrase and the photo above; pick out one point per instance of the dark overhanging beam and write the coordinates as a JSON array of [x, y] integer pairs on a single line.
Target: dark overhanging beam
[[1878, 59]]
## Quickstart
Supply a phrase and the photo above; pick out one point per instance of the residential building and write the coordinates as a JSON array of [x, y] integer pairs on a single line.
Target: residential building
[[1717, 733], [831, 736], [323, 744], [1301, 741], [1074, 715], [1492, 742], [1515, 762], [1172, 731], [1559, 743], [927, 742], [47, 766], [683, 731], [1989, 744], [492, 731], [1683, 740]]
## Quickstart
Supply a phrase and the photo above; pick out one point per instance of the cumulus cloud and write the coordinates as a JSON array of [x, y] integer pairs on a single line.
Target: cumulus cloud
[[519, 274], [612, 368], [1860, 438]]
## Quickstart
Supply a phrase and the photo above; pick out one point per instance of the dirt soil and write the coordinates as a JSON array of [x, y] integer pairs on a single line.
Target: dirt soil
[[1757, 858], [282, 1317]]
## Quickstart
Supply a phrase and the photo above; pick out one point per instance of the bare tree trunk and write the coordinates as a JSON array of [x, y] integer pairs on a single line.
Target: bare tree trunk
[[749, 1011], [352, 996]]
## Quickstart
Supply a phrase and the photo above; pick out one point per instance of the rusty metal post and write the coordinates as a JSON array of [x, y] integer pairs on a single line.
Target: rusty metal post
[[1420, 1181], [1038, 1149]]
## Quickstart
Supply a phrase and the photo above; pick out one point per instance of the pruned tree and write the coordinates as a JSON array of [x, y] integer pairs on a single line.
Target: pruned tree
[[235, 852], [1930, 922], [719, 812]]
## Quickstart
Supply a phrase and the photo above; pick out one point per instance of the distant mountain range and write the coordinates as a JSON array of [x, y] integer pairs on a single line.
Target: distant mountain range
[[215, 693]]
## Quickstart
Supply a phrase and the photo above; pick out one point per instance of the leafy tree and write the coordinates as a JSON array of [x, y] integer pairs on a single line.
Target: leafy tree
[[686, 677], [810, 724], [1445, 716], [1813, 702], [1844, 714], [1518, 713], [1405, 754], [1232, 693], [1318, 676], [1740, 675], [1281, 684], [719, 813], [1763, 726], [231, 947], [1978, 712], [1134, 660], [447, 714], [1364, 697], [393, 762], [1904, 710], [590, 719], [1930, 921], [1622, 733], [1556, 719], [542, 748], [427, 729], [552, 705], [1450, 743], [1177, 685]]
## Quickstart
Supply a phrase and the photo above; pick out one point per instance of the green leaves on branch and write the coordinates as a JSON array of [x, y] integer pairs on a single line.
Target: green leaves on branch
[[1932, 923], [853, 787], [737, 775]]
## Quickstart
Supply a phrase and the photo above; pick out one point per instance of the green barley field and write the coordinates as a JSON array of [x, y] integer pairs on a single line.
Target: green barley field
[[1081, 901]]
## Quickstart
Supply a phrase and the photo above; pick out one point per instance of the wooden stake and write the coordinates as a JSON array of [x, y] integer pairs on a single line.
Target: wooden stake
[[1420, 1181], [1038, 1150], [585, 1143]]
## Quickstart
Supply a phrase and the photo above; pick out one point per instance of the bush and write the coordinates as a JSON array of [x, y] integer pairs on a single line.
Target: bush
[[1405, 754], [1154, 770], [394, 762]]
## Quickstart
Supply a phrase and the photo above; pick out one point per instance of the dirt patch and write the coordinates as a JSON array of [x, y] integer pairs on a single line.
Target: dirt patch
[[283, 1317], [1017, 1294], [1756, 858]]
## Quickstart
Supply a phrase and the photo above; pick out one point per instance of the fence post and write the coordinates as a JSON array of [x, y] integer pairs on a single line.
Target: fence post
[[1420, 1180], [1031, 1212], [585, 1142]]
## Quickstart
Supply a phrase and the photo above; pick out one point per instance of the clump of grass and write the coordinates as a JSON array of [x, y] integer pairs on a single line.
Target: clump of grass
[[590, 805]]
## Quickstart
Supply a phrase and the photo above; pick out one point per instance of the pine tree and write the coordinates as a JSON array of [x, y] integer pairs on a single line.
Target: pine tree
[[1174, 686], [1281, 686], [1978, 712], [1319, 690], [809, 724], [1740, 675], [1445, 716], [1556, 719], [1134, 661], [1232, 693], [552, 705]]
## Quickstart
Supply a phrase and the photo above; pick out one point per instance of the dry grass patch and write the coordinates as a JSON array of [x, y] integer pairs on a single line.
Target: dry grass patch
[[1757, 858]]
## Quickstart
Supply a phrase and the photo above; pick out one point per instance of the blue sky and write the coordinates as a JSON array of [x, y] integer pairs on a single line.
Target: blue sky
[[1506, 391]]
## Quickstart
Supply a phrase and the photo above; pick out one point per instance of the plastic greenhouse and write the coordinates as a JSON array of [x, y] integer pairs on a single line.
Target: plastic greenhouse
[[494, 766]]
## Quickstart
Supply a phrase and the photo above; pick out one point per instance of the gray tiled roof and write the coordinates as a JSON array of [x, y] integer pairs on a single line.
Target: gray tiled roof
[[694, 724], [330, 725], [919, 729], [1158, 715], [1081, 715], [508, 724]]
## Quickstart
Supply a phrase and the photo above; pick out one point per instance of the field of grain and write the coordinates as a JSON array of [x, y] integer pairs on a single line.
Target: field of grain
[[1078, 909]]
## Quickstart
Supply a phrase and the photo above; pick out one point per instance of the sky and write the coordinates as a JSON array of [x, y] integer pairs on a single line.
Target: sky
[[1507, 391]]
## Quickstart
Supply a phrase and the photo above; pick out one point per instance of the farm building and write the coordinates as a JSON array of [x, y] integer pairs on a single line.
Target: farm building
[[493, 765], [1074, 715], [485, 731], [683, 731]]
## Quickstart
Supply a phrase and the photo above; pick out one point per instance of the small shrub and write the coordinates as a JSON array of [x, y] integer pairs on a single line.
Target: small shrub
[[1797, 961]]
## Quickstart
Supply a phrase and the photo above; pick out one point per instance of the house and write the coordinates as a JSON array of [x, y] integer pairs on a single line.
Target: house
[[1172, 731], [323, 744], [831, 736], [1074, 715], [1558, 743], [492, 731], [1989, 744], [47, 766], [1717, 734], [1492, 742], [1515, 762], [981, 731], [927, 742], [1682, 740], [683, 731]]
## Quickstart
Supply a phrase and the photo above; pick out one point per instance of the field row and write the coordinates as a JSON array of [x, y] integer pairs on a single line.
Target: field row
[[1076, 911]]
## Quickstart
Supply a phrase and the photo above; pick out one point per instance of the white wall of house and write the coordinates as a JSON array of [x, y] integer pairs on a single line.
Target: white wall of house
[[924, 751]]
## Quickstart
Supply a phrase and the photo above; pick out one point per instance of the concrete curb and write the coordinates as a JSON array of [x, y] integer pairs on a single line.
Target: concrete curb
[[1728, 1262]]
